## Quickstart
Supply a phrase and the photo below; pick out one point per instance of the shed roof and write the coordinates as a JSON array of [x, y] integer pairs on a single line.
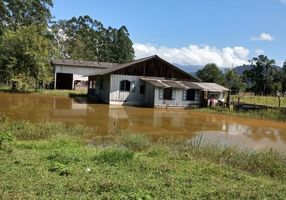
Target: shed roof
[[211, 87], [156, 82], [81, 63]]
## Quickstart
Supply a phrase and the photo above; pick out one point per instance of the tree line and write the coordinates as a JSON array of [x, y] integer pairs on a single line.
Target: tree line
[[29, 39], [262, 78]]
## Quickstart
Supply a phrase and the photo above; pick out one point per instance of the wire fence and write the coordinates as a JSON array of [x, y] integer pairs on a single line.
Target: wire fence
[[249, 98]]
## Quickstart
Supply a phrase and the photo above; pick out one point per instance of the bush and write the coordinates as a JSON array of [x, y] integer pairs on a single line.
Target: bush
[[22, 83], [5, 137]]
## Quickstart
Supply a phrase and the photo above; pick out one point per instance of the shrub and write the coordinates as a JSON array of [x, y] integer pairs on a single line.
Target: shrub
[[22, 83], [5, 137]]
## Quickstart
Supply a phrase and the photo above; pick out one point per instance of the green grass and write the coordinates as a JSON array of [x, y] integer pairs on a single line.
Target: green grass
[[260, 100], [270, 114], [133, 166], [51, 92], [78, 92], [26, 130]]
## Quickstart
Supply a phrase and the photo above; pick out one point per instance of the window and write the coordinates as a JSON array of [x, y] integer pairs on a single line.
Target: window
[[125, 85], [167, 94], [190, 95], [142, 89], [132, 86]]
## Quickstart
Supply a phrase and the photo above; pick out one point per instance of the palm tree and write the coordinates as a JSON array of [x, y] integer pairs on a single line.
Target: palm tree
[[263, 70]]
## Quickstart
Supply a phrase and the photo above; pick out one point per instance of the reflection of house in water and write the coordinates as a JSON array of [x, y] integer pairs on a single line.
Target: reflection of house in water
[[157, 121], [69, 110]]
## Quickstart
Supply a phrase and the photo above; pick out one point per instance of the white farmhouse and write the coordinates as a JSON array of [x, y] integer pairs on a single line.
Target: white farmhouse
[[151, 82]]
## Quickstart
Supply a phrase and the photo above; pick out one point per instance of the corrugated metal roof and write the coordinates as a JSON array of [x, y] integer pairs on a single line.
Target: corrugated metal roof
[[174, 84], [211, 87], [81, 63], [190, 85], [156, 83]]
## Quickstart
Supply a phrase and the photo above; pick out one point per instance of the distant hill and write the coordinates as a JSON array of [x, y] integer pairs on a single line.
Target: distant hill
[[240, 69], [190, 68]]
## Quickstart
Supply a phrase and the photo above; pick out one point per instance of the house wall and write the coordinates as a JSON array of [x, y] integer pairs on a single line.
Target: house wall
[[110, 93], [177, 102], [102, 93], [149, 95], [79, 73], [125, 97]]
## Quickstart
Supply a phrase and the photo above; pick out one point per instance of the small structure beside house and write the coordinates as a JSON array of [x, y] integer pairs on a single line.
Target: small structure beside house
[[68, 74], [151, 82]]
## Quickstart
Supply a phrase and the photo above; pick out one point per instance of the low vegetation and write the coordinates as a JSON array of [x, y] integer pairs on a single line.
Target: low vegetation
[[26, 130], [271, 114], [51, 92], [272, 101], [131, 166]]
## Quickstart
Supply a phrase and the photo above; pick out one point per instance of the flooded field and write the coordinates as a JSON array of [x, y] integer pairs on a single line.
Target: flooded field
[[250, 133]]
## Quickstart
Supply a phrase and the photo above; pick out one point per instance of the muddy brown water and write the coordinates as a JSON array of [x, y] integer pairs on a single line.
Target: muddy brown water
[[244, 132]]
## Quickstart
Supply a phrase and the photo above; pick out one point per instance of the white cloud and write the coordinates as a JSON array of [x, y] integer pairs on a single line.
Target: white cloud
[[259, 51], [263, 37], [280, 62], [195, 54]]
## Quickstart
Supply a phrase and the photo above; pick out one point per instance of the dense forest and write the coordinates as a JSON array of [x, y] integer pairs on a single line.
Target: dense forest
[[29, 39]]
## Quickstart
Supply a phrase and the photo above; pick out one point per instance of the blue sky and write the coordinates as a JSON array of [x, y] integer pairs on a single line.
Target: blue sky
[[192, 32]]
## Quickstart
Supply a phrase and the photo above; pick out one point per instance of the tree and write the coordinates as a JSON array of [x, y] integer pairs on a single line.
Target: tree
[[210, 73], [264, 77], [25, 55], [87, 39], [283, 77], [233, 81], [16, 13]]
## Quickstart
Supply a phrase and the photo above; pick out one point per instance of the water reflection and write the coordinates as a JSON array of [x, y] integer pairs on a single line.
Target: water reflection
[[156, 122]]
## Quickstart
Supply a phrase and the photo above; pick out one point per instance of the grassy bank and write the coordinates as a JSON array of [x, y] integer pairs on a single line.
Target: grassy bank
[[57, 165], [271, 114], [50, 92], [260, 100]]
